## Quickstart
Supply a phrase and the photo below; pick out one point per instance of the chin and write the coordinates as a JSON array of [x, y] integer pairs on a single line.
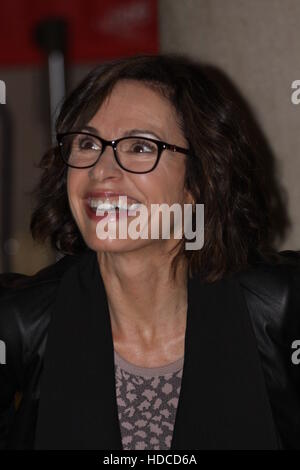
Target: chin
[[114, 245]]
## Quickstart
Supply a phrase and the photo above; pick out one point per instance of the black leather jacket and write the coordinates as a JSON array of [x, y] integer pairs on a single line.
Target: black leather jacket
[[272, 295]]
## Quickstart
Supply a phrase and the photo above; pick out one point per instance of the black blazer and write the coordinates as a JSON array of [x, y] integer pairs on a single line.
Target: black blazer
[[240, 388]]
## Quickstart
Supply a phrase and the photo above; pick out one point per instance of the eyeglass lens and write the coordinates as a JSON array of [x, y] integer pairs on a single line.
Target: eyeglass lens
[[134, 153]]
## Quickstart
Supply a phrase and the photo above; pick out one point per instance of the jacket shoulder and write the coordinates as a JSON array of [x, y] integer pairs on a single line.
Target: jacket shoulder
[[272, 277], [271, 288], [17, 282], [26, 303], [272, 294]]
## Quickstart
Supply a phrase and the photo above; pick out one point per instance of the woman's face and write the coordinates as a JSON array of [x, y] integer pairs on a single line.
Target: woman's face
[[132, 106]]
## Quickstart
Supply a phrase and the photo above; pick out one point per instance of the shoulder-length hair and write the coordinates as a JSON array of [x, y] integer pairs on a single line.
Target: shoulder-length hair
[[226, 175]]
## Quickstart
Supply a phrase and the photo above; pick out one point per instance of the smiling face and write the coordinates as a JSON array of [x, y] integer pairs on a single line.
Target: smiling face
[[132, 107]]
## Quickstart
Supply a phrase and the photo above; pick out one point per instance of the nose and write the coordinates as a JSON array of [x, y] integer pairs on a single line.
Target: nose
[[106, 166]]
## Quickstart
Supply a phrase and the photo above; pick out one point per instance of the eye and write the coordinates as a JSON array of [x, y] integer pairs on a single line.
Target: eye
[[87, 143], [139, 146]]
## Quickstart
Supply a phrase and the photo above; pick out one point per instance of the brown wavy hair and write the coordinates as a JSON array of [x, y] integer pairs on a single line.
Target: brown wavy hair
[[227, 175]]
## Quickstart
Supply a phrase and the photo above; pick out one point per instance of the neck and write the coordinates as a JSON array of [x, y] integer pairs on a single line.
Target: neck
[[146, 304]]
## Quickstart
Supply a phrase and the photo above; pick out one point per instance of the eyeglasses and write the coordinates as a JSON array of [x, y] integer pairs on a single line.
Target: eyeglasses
[[133, 154]]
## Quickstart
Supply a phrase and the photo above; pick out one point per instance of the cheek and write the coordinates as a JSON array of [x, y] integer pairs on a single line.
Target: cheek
[[73, 187], [70, 186], [165, 184]]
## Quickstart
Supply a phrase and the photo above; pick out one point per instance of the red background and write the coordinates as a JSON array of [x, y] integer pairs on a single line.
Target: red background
[[97, 29]]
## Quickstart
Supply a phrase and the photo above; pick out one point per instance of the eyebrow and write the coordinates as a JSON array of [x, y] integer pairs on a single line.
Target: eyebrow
[[129, 133]]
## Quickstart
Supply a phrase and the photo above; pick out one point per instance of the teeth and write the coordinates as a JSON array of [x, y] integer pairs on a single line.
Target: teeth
[[106, 206], [134, 206], [98, 204]]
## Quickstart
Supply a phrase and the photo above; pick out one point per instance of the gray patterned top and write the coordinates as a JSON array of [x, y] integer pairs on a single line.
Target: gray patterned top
[[147, 399]]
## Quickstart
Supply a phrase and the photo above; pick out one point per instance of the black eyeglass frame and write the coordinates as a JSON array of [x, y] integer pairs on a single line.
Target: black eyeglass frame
[[161, 146]]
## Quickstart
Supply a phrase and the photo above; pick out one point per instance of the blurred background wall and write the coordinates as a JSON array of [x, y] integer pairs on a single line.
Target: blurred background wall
[[255, 43]]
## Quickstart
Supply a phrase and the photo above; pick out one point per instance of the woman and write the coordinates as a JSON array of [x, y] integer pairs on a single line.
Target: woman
[[139, 342]]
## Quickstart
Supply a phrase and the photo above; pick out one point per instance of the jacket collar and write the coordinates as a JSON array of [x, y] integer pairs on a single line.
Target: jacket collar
[[223, 402]]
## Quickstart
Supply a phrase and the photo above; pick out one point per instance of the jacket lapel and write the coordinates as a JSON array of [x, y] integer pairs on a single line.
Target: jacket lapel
[[78, 408], [223, 402]]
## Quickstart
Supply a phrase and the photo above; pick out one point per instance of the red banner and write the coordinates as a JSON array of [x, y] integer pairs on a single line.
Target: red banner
[[97, 29]]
